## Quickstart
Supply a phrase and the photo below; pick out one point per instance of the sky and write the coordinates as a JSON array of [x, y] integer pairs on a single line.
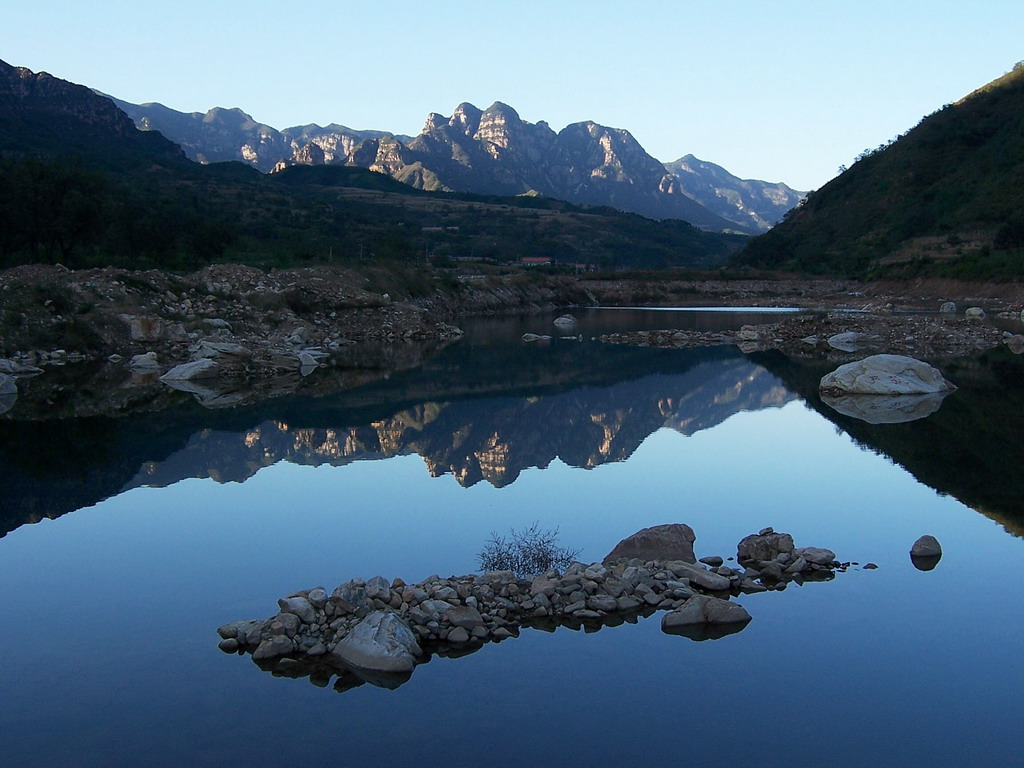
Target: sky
[[779, 91]]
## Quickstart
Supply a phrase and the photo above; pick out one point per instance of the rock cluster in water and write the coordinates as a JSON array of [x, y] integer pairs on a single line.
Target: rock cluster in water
[[378, 630]]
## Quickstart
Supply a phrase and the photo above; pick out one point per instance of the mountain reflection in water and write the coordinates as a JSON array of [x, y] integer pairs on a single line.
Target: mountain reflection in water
[[487, 409], [533, 418]]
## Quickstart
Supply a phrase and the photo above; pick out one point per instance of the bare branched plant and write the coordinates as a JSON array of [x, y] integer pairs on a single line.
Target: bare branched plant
[[525, 552]]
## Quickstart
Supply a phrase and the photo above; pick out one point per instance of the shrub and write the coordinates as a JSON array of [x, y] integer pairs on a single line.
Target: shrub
[[525, 552]]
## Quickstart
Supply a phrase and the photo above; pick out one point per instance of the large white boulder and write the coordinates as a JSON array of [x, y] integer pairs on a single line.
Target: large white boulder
[[885, 375]]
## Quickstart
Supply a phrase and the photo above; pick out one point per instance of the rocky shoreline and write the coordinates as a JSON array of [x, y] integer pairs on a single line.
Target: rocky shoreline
[[379, 630], [836, 335], [231, 333]]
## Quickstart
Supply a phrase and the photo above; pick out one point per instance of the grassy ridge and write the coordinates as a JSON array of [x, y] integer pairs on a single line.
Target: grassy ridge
[[945, 199]]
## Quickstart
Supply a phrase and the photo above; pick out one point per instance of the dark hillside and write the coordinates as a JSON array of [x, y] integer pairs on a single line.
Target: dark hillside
[[945, 199]]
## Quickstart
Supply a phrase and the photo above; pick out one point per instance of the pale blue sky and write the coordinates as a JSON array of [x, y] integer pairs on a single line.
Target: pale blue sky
[[781, 91]]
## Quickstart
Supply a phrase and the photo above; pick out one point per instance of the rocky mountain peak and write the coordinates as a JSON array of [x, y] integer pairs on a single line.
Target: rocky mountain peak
[[492, 151], [434, 121], [466, 118]]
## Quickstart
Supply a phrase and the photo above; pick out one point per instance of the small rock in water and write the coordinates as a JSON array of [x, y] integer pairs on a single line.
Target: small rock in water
[[565, 321], [926, 546], [870, 567], [926, 553]]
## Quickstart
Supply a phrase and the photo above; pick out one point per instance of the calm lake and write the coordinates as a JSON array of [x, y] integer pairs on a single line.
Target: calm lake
[[129, 539]]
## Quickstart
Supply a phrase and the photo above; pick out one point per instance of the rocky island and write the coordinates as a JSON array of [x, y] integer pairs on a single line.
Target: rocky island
[[379, 630]]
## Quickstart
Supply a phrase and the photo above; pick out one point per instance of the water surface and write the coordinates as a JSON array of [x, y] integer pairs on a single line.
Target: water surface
[[168, 523]]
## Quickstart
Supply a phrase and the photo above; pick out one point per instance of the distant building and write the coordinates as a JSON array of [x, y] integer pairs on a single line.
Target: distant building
[[535, 261]]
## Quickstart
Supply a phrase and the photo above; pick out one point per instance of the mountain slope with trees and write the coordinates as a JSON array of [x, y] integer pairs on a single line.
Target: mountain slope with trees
[[946, 199]]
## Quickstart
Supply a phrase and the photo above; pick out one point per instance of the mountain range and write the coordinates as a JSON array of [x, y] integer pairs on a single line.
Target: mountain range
[[491, 152], [83, 186]]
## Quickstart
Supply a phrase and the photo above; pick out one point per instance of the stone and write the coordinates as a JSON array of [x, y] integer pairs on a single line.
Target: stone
[[700, 576], [146, 328], [542, 586], [299, 606], [850, 341], [285, 624], [771, 572], [229, 631], [565, 322], [604, 603], [703, 609], [272, 647], [534, 337], [381, 642], [197, 369], [763, 547], [885, 375], [307, 362], [317, 597], [1015, 343], [378, 588], [974, 313], [144, 363], [713, 560], [464, 616], [228, 645], [627, 604], [15, 368], [8, 386], [926, 546], [673, 541], [351, 592], [458, 636], [435, 609], [749, 333], [948, 307], [798, 566], [225, 352], [816, 555]]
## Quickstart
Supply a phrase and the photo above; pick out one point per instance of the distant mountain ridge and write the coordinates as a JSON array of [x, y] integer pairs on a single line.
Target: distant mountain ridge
[[733, 198], [492, 152]]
